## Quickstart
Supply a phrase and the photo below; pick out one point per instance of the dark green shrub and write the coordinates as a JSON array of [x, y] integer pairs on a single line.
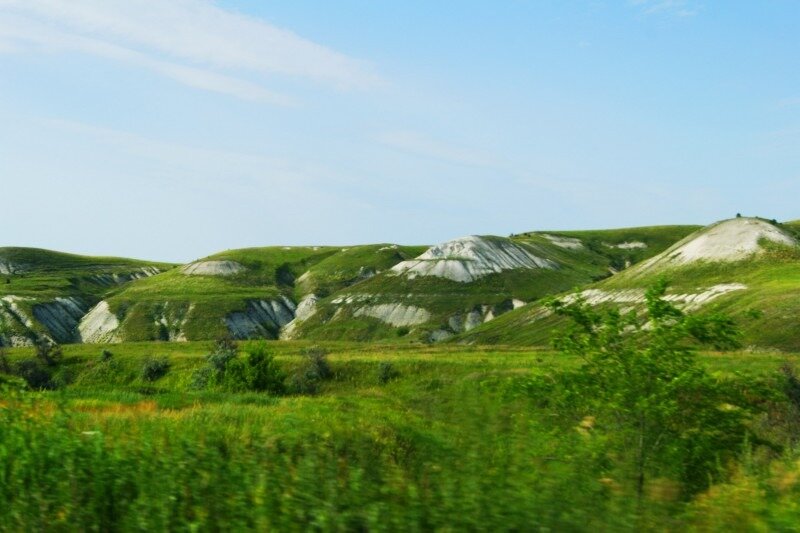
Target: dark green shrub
[[106, 355], [387, 372], [5, 364], [262, 372], [643, 389], [48, 351], [155, 368], [317, 363], [225, 350], [312, 371], [202, 378], [36, 374]]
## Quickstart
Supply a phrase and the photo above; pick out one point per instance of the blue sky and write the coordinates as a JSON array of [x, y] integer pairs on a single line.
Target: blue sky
[[172, 129]]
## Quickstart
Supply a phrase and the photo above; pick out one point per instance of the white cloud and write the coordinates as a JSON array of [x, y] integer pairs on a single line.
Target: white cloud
[[678, 8], [789, 102], [420, 145], [191, 41]]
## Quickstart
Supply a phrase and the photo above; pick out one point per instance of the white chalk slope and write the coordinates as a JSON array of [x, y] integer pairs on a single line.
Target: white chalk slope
[[727, 241], [212, 268], [470, 258]]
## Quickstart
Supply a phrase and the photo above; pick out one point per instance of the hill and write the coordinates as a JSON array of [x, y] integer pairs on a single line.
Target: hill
[[46, 293], [456, 286], [249, 293], [748, 268]]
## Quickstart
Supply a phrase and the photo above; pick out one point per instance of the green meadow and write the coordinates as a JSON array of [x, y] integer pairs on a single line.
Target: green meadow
[[396, 437]]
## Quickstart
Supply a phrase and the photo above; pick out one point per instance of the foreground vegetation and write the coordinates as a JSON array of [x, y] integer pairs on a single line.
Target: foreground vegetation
[[609, 433]]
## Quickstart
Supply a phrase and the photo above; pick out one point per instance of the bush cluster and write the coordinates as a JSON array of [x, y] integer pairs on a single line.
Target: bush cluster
[[255, 371], [155, 368], [312, 371]]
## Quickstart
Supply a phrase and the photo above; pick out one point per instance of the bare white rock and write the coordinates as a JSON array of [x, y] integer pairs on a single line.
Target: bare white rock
[[212, 268], [628, 245], [727, 241], [470, 258], [687, 301], [395, 314], [99, 325], [569, 243]]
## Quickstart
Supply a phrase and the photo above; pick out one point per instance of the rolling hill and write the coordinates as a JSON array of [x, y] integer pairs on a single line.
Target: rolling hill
[[748, 268], [455, 286], [249, 293], [476, 289], [46, 293]]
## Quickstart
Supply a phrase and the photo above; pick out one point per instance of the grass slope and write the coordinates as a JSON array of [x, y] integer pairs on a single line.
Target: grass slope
[[47, 274], [453, 443], [445, 299], [198, 304], [36, 282], [768, 311]]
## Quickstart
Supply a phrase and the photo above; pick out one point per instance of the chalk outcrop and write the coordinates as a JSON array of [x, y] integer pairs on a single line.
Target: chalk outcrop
[[99, 325], [117, 278], [570, 243], [687, 301], [61, 317], [261, 318], [212, 268], [470, 258], [395, 314], [727, 241]]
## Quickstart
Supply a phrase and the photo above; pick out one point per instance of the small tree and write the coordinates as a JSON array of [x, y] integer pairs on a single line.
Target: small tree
[[259, 371], [313, 370], [5, 364], [641, 382], [225, 350], [48, 351], [155, 368]]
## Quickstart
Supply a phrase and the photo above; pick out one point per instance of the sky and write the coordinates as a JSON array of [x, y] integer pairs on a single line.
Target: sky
[[174, 129]]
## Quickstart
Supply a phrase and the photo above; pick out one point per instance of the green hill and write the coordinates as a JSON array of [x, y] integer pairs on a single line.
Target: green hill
[[456, 286], [745, 267], [46, 293], [250, 293]]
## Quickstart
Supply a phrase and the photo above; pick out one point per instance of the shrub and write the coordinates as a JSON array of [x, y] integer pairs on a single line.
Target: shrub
[[5, 364], [262, 372], [387, 372], [317, 363], [225, 350], [48, 351], [36, 374], [106, 355], [642, 384], [202, 378], [313, 370], [155, 368]]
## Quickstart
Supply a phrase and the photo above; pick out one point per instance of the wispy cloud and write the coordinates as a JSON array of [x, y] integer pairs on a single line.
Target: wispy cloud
[[789, 102], [677, 8], [191, 41], [420, 145]]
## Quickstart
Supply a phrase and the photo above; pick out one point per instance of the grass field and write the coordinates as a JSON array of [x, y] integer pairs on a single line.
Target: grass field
[[450, 440]]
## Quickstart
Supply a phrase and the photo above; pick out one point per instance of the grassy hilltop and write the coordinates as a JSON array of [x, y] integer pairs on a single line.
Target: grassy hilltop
[[764, 293]]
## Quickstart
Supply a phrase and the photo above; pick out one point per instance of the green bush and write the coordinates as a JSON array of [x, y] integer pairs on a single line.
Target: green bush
[[387, 372], [48, 352], [155, 368], [642, 388], [261, 371], [36, 374], [313, 370], [225, 350]]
